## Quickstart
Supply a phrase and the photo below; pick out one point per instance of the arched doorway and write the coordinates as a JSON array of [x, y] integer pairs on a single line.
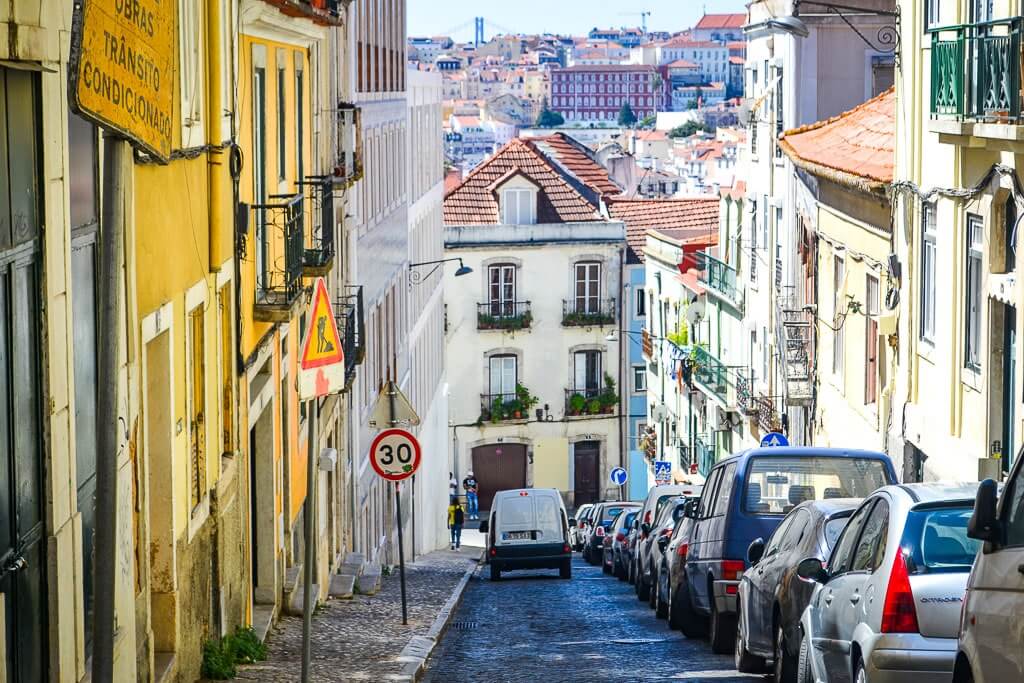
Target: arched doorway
[[498, 467]]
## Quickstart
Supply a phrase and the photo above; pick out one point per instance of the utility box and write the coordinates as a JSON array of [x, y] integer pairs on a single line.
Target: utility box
[[328, 460], [990, 468]]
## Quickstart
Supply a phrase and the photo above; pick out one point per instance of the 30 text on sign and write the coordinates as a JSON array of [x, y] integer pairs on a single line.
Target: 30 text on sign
[[395, 454], [122, 76]]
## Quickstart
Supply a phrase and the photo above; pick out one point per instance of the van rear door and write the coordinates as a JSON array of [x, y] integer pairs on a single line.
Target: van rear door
[[529, 518]]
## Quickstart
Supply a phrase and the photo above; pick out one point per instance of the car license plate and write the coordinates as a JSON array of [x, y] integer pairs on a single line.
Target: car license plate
[[516, 536]]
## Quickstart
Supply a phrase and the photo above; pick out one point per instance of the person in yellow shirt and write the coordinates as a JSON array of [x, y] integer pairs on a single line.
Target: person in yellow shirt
[[456, 518]]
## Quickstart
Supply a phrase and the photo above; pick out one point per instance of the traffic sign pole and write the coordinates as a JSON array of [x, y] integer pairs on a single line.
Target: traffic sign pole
[[307, 578], [401, 550]]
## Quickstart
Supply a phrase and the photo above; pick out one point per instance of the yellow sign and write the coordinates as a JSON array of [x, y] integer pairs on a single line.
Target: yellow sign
[[122, 72]]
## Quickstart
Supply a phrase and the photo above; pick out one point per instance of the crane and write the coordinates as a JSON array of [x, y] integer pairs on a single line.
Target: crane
[[643, 14]]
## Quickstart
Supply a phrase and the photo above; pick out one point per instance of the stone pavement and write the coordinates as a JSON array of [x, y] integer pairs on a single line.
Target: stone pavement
[[362, 639]]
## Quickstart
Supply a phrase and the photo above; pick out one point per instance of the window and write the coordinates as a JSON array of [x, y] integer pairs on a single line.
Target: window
[[300, 115], [588, 287], [777, 483], [641, 302], [191, 31], [871, 340], [1013, 509], [972, 328], [842, 556], [227, 360], [764, 353], [871, 546], [282, 131], [708, 494], [928, 258], [517, 206], [779, 127], [259, 162], [503, 376], [725, 490], [501, 289], [197, 404], [639, 379], [838, 276], [587, 373]]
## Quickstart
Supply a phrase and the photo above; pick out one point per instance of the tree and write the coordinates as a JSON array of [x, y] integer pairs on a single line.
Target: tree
[[549, 119], [687, 129], [626, 115]]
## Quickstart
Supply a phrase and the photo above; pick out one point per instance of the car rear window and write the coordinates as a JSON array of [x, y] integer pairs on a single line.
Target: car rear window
[[935, 540], [549, 517], [609, 514], [777, 484], [628, 519], [517, 511]]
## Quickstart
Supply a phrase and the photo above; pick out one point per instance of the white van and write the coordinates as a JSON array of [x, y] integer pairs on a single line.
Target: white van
[[992, 618], [528, 529]]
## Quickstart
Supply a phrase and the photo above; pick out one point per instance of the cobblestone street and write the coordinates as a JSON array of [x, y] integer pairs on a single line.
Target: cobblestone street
[[533, 626], [360, 639]]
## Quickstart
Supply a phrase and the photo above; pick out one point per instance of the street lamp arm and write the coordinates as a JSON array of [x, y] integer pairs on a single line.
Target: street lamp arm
[[838, 7], [416, 277]]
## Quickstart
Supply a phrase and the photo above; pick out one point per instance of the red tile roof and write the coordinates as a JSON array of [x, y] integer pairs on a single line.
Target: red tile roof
[[608, 67], [680, 219], [856, 147], [576, 159], [561, 197], [710, 21], [683, 64]]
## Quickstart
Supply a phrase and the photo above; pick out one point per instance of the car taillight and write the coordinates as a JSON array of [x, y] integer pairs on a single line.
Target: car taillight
[[682, 549], [493, 552], [898, 613], [731, 589], [732, 570], [665, 532], [620, 537], [599, 531], [647, 517], [566, 549]]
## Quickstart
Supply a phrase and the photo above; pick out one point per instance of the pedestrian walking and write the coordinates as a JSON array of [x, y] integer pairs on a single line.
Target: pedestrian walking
[[456, 518], [469, 485]]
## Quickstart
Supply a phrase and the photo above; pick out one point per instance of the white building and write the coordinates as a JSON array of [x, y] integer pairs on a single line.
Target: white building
[[536, 386]]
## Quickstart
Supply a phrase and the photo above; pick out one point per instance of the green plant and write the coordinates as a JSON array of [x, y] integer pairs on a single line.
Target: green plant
[[513, 407], [497, 410], [525, 398], [608, 397], [246, 646], [679, 338], [687, 129], [626, 115], [218, 660], [594, 406], [577, 403]]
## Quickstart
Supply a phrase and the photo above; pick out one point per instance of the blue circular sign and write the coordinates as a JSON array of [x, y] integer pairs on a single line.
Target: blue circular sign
[[773, 440], [618, 476]]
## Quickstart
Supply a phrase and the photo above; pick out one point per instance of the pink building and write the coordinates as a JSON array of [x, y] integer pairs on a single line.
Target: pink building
[[595, 92]]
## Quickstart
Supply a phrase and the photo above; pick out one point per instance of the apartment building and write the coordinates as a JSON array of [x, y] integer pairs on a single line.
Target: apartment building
[[536, 384], [584, 94]]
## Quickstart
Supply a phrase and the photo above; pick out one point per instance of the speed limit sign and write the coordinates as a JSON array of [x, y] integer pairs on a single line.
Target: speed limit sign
[[395, 454]]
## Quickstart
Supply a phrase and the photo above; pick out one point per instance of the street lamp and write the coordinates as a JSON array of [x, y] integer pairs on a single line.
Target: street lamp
[[416, 277], [888, 37]]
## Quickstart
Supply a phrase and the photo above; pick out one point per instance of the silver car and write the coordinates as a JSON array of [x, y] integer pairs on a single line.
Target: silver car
[[886, 606]]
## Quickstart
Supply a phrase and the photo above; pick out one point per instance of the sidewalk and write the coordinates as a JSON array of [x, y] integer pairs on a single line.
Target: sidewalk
[[362, 639]]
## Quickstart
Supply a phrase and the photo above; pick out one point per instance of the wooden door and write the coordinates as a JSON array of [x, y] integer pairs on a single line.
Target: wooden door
[[586, 483], [498, 467]]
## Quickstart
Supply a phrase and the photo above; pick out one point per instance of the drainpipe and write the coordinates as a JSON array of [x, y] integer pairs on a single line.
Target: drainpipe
[[624, 410]]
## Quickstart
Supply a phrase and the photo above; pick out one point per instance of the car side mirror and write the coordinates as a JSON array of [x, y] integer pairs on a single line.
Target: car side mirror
[[690, 511], [645, 528], [635, 525], [484, 527], [811, 569], [662, 543], [984, 524], [755, 551], [572, 521]]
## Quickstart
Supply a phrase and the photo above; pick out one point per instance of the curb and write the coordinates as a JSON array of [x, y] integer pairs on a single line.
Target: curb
[[416, 653]]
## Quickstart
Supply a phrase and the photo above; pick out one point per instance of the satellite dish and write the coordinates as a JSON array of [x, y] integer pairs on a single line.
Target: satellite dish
[[659, 412], [695, 312]]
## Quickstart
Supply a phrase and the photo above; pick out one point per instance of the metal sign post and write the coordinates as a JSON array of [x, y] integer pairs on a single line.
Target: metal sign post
[[307, 570], [401, 551]]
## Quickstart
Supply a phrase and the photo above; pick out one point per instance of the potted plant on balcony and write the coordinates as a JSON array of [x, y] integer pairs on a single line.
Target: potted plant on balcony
[[577, 404], [608, 398], [526, 399], [514, 408], [497, 410], [593, 406]]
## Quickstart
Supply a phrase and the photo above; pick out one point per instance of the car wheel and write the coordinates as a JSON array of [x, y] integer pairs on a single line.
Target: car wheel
[[606, 566], [745, 662], [652, 591], [565, 571], [495, 573], [785, 666], [722, 631], [630, 574], [661, 601], [803, 667], [675, 617], [692, 624], [860, 673], [643, 589]]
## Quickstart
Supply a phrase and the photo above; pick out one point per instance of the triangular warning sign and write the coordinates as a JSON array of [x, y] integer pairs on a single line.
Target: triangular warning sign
[[323, 343], [393, 408]]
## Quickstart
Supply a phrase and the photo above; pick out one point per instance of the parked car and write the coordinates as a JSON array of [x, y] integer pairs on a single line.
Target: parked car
[[575, 531], [601, 521], [672, 565], [746, 497], [527, 529], [771, 597], [657, 497], [887, 607], [992, 624], [614, 542], [648, 552]]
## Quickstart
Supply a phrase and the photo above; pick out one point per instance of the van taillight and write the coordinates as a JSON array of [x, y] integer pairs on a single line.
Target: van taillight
[[682, 549], [566, 549], [620, 537], [732, 569], [898, 613], [493, 552]]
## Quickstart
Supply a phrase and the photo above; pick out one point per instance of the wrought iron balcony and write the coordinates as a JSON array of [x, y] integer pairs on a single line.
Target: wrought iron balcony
[[975, 71], [348, 142], [719, 277], [704, 450], [280, 251], [348, 312], [503, 315], [768, 417], [798, 364], [588, 312], [501, 407], [713, 376], [318, 256], [745, 391], [591, 401]]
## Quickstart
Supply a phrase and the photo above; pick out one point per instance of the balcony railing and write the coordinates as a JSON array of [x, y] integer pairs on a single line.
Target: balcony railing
[[714, 375], [768, 418], [348, 312], [503, 315], [280, 233], [501, 407], [348, 138], [745, 391], [704, 447], [589, 401], [975, 71], [588, 312], [318, 257], [719, 277]]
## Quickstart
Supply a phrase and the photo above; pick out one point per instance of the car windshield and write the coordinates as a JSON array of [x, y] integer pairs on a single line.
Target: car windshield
[[833, 527], [777, 484], [659, 507], [935, 540], [627, 520]]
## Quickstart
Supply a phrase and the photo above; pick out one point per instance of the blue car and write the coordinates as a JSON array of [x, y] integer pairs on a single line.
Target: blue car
[[746, 497]]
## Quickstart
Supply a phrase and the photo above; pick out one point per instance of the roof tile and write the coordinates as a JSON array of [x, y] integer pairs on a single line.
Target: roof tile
[[681, 219]]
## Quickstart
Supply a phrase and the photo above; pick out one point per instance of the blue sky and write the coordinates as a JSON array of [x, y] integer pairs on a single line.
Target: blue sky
[[433, 17]]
